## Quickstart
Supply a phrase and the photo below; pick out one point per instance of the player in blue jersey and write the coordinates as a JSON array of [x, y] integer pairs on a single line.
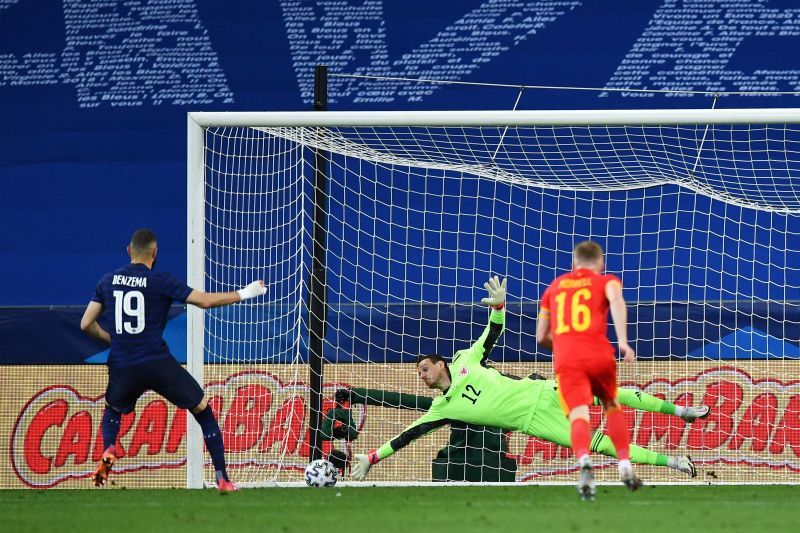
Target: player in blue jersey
[[140, 360]]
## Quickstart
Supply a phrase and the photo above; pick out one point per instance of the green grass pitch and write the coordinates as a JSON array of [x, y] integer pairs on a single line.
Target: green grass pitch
[[409, 510]]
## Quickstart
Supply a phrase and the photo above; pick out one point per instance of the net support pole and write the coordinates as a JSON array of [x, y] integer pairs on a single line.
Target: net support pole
[[195, 276], [318, 283]]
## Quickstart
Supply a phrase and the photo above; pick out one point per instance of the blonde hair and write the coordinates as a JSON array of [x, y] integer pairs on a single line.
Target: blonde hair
[[587, 252]]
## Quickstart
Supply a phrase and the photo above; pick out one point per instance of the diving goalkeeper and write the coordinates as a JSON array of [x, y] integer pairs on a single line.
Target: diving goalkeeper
[[475, 393]]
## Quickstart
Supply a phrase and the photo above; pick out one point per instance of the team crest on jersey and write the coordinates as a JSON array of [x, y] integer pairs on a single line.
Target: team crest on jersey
[[463, 371]]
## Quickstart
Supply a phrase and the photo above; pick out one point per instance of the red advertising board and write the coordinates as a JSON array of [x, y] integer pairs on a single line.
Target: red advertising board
[[52, 424]]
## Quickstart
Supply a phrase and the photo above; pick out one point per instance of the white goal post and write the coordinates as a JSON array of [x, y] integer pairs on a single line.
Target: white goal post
[[698, 211]]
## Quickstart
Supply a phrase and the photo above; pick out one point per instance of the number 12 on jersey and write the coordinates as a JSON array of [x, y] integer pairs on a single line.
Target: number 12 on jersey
[[475, 393]]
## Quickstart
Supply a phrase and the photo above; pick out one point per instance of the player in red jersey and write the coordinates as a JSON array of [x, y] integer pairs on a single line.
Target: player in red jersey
[[572, 322]]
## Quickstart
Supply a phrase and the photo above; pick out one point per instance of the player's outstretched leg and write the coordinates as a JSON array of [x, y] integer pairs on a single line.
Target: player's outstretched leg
[[586, 486], [602, 444], [690, 414]]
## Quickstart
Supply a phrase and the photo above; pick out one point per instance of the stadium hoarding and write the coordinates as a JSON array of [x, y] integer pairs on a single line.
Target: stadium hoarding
[[751, 436], [51, 425]]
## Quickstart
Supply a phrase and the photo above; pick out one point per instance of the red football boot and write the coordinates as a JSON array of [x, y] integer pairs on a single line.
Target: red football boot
[[100, 475], [225, 487]]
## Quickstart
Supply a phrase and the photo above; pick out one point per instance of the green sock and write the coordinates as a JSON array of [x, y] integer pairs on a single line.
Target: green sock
[[647, 457], [667, 408], [644, 402], [602, 444]]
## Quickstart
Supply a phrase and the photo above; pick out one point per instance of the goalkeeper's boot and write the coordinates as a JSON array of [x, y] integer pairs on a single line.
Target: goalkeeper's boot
[[586, 481], [690, 414], [686, 465], [627, 476], [100, 475]]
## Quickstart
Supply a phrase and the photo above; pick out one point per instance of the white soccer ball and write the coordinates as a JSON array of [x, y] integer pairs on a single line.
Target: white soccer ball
[[321, 473]]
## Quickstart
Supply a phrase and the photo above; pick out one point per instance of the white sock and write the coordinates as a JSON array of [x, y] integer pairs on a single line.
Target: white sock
[[679, 410], [625, 466], [584, 460]]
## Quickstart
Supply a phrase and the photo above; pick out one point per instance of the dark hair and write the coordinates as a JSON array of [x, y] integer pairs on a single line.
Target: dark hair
[[435, 358], [142, 240], [588, 252]]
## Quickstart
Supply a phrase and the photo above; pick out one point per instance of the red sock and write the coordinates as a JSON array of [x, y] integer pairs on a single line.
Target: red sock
[[617, 428], [581, 437]]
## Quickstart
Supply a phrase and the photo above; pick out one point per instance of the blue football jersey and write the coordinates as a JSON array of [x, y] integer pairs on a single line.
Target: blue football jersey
[[138, 300]]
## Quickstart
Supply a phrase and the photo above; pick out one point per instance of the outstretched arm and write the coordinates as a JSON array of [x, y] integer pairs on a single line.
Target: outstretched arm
[[383, 398], [481, 348], [208, 300], [422, 426]]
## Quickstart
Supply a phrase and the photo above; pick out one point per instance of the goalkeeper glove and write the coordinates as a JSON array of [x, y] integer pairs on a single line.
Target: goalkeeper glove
[[497, 293], [342, 396], [252, 290], [362, 463]]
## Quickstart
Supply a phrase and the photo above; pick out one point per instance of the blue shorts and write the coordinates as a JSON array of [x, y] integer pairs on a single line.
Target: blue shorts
[[164, 376]]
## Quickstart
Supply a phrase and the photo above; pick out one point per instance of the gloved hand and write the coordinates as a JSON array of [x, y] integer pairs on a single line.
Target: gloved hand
[[361, 464], [252, 290], [342, 396], [497, 293]]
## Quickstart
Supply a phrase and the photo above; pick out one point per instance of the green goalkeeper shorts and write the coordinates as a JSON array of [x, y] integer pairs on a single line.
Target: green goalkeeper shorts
[[548, 421]]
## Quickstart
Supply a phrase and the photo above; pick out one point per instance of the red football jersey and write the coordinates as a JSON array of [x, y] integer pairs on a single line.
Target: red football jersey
[[578, 310]]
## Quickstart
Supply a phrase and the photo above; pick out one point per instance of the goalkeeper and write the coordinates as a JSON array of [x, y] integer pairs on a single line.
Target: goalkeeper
[[475, 393]]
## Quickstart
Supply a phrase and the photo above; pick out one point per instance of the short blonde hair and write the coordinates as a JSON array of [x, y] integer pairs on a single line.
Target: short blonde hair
[[587, 252]]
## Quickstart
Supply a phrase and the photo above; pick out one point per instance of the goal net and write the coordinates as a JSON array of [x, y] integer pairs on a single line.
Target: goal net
[[698, 212]]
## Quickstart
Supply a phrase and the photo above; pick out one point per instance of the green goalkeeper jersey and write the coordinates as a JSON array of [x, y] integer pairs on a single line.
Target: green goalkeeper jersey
[[478, 394]]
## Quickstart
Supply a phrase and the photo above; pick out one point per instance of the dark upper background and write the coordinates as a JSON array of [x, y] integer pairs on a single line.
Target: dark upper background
[[79, 172]]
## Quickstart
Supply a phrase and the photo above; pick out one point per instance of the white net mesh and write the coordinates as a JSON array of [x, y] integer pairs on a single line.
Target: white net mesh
[[702, 223]]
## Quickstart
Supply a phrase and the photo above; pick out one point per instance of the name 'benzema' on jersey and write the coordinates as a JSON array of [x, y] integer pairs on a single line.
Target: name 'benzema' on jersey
[[129, 281]]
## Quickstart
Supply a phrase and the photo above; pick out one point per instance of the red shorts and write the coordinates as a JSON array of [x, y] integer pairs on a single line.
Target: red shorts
[[580, 381]]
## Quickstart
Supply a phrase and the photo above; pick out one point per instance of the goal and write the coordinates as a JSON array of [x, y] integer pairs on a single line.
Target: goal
[[374, 233]]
